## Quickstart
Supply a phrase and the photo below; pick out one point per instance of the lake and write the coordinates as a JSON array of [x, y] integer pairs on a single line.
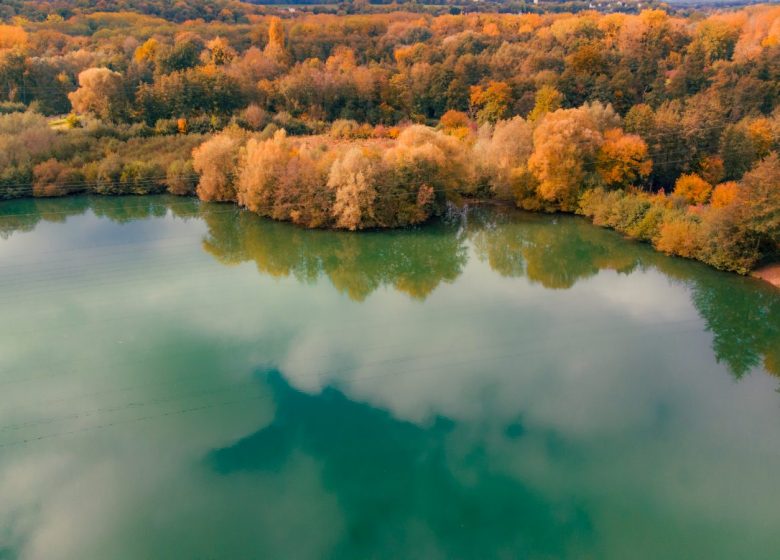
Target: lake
[[187, 380]]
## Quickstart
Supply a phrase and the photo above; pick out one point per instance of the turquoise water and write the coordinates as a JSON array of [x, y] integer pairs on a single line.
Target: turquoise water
[[180, 380]]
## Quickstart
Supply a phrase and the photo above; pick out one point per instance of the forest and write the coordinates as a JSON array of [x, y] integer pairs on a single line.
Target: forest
[[661, 124]]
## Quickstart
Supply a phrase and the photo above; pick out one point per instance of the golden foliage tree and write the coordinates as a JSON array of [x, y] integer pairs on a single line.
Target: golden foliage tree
[[759, 199], [565, 145], [547, 99], [262, 168], [276, 48], [215, 161], [502, 156]]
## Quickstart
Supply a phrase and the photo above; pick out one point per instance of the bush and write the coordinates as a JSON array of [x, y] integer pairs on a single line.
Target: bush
[[7, 107], [181, 178], [141, 177], [52, 178], [679, 237]]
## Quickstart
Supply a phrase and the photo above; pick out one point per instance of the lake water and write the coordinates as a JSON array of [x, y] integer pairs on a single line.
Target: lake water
[[182, 380]]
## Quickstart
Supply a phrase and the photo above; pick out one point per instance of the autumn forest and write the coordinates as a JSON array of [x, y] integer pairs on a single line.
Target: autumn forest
[[663, 125]]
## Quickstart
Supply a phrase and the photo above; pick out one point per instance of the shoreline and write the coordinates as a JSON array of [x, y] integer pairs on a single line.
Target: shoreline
[[768, 273]]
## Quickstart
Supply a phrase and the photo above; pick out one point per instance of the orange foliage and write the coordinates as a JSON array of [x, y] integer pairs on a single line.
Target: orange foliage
[[147, 51], [724, 194], [623, 159], [493, 100], [762, 30], [693, 188], [276, 49], [12, 36], [454, 119], [491, 29]]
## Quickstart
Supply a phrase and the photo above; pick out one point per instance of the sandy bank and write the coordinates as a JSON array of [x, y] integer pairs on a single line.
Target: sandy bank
[[770, 273]]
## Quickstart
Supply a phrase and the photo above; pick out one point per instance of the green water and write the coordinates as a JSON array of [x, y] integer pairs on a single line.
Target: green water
[[189, 381]]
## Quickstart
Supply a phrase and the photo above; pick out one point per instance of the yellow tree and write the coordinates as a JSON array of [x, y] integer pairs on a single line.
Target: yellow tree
[[548, 99], [622, 159], [565, 145], [503, 156], [262, 169], [148, 51], [759, 199], [215, 160], [276, 49]]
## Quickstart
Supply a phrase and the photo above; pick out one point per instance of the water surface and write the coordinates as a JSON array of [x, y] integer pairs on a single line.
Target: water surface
[[188, 380]]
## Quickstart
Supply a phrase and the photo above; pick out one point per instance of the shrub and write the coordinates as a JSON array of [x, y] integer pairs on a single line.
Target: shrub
[[52, 178], [679, 237], [180, 177], [141, 177]]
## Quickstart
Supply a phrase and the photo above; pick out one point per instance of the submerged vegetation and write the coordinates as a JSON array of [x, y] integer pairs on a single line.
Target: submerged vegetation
[[663, 126]]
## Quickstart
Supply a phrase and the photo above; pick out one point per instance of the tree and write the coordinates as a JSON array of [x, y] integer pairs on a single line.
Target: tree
[[493, 101], [503, 155], [759, 201], [354, 177], [276, 48], [548, 99], [453, 120], [184, 54], [262, 168], [724, 195], [565, 145], [220, 52], [693, 189], [142, 177], [148, 51], [180, 177], [679, 237], [622, 159], [429, 157], [100, 92], [12, 36], [215, 160]]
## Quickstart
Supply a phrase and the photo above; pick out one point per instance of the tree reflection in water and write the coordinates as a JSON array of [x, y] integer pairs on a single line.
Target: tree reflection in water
[[555, 252], [414, 261]]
